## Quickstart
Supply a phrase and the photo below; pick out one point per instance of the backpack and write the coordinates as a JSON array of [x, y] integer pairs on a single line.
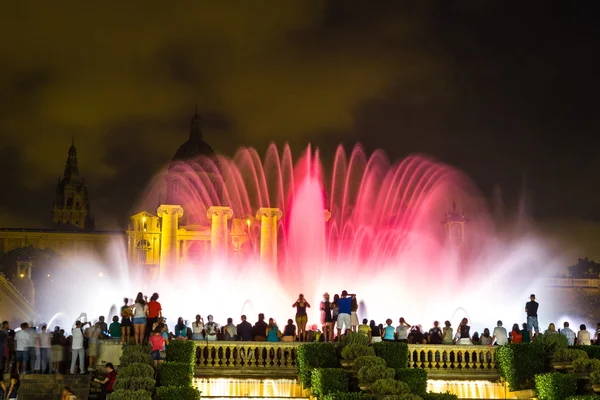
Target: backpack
[[435, 336]]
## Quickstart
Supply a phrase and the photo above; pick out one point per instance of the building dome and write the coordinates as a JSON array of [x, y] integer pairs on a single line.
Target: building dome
[[195, 147]]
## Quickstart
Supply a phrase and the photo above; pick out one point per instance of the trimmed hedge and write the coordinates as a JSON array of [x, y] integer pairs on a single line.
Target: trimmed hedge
[[175, 373], [329, 380], [395, 354], [567, 355], [315, 355], [592, 351], [349, 396], [135, 358], [415, 378], [518, 363], [137, 370], [555, 386], [584, 397], [135, 383], [552, 343], [182, 351], [129, 395], [177, 393], [586, 365], [354, 338], [439, 396]]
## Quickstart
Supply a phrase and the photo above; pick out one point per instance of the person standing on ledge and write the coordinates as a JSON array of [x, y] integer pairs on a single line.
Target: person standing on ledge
[[301, 317], [345, 304], [531, 308]]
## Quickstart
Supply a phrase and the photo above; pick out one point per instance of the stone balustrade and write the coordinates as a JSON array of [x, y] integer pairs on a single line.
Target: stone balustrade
[[219, 358]]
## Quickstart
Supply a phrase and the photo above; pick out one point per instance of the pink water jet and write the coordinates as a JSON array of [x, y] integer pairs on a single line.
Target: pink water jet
[[385, 239]]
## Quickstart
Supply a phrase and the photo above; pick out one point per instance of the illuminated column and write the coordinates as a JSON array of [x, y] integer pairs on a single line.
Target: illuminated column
[[170, 215], [219, 243], [268, 234]]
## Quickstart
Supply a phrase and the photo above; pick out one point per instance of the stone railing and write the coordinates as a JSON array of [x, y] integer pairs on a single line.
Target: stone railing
[[264, 358], [217, 358], [454, 360]]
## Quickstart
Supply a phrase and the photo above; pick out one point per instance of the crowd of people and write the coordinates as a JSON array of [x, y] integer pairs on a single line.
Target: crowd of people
[[33, 350]]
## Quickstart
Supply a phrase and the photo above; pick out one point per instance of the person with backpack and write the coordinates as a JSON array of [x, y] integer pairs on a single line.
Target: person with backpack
[[77, 347], [435, 334], [125, 322]]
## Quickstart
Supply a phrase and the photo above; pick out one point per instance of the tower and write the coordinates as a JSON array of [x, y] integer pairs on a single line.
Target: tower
[[455, 221], [71, 208]]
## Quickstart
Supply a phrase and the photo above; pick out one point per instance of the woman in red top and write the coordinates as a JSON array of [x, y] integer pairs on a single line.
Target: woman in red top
[[108, 382], [158, 345], [154, 313], [515, 335]]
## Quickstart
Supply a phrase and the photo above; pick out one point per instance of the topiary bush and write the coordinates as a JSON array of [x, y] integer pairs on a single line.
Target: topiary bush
[[315, 355], [592, 351], [439, 396], [389, 387], [349, 396], [177, 393], [584, 397], [129, 395], [569, 355], [135, 383], [369, 374], [518, 363], [353, 351], [405, 396], [136, 358], [555, 386], [354, 338], [586, 365], [395, 354], [595, 377], [552, 343], [329, 380], [137, 370], [415, 378], [367, 361], [182, 351], [137, 349], [175, 374]]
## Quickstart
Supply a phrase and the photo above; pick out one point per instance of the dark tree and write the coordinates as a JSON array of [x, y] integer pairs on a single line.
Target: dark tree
[[585, 269]]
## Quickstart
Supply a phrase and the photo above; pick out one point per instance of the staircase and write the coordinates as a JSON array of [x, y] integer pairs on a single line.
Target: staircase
[[49, 387]]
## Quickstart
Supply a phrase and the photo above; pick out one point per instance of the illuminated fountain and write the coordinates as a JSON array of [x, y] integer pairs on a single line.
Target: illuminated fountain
[[369, 226]]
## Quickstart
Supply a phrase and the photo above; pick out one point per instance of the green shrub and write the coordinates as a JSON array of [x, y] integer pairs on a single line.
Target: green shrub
[[349, 396], [389, 387], [405, 396], [569, 355], [135, 358], [518, 363], [182, 351], [315, 355], [439, 396], [136, 348], [353, 351], [329, 380], [177, 393], [555, 386], [175, 374], [354, 338], [135, 383], [129, 395], [552, 343], [367, 361], [415, 378], [586, 365], [584, 397], [395, 354], [592, 351], [137, 370], [595, 377], [369, 374]]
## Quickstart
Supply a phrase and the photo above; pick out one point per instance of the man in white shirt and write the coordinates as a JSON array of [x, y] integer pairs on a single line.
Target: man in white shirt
[[77, 349], [45, 349], [22, 339], [500, 335]]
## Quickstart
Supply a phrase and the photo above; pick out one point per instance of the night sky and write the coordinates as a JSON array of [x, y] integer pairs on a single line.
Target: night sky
[[506, 91]]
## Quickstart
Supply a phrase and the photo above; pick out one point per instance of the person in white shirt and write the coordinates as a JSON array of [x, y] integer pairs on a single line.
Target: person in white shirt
[[568, 333], [45, 349], [500, 335], [402, 331], [198, 328], [22, 339], [77, 348], [583, 336]]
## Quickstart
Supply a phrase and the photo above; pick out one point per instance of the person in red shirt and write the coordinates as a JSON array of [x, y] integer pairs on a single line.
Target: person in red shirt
[[157, 341], [108, 382], [154, 313]]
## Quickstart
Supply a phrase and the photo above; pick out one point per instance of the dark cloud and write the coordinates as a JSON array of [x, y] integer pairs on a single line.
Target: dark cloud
[[477, 84]]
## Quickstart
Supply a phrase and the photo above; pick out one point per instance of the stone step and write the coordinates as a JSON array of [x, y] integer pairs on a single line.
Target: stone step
[[49, 387]]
